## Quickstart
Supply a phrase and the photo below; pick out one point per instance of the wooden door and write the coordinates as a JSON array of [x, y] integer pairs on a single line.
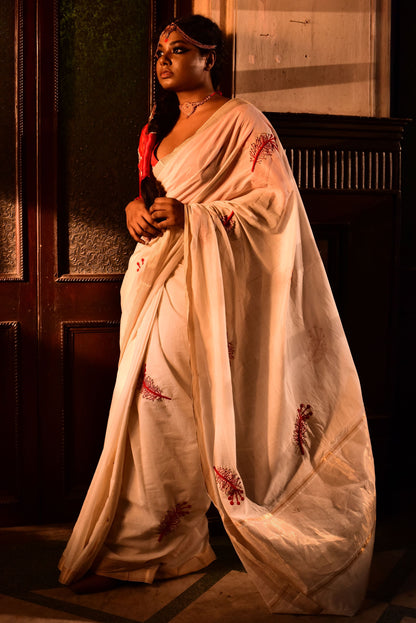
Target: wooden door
[[18, 264], [94, 97], [75, 94]]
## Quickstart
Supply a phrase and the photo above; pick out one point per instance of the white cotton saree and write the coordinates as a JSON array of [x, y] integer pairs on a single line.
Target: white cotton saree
[[281, 430]]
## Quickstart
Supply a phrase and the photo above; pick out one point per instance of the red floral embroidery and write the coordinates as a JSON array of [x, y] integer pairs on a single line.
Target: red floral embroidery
[[230, 483], [172, 519], [140, 264], [261, 148], [149, 389], [228, 222], [299, 434], [317, 344], [231, 350]]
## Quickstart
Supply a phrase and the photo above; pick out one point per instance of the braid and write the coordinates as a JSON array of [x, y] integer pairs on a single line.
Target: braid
[[165, 115]]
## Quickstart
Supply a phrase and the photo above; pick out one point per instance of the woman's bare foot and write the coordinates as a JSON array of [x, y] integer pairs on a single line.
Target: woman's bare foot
[[93, 583]]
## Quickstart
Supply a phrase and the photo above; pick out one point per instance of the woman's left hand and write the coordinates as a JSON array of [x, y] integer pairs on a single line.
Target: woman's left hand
[[168, 212]]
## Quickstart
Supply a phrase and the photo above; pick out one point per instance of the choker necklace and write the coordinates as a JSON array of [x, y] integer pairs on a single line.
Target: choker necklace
[[188, 108]]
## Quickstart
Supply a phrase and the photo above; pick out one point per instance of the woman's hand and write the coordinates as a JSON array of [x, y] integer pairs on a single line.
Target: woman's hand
[[141, 225], [168, 212]]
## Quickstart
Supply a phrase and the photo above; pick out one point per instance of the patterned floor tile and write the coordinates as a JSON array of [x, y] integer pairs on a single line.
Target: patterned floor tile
[[15, 610], [234, 598], [138, 602], [223, 593]]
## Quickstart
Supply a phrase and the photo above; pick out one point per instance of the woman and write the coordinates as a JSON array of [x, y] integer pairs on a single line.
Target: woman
[[235, 382]]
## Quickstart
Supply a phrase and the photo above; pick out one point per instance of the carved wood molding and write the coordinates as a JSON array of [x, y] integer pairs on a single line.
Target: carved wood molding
[[68, 329], [67, 326], [342, 153], [12, 331], [338, 169], [87, 278], [12, 250], [93, 244]]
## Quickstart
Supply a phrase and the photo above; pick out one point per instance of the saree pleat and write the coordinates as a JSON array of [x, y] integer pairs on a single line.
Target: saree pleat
[[160, 527]]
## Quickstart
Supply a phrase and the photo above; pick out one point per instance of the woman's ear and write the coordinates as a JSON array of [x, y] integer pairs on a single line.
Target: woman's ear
[[210, 60]]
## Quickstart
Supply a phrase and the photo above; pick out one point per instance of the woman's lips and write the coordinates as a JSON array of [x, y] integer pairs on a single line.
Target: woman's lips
[[166, 74]]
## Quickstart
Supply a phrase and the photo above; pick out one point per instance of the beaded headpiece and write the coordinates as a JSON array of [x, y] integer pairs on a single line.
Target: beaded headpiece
[[171, 27]]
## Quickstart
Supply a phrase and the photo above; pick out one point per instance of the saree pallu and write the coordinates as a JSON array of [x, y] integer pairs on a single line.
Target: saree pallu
[[280, 423]]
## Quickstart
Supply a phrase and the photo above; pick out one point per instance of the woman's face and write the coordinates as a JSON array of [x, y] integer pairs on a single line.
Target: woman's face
[[180, 65]]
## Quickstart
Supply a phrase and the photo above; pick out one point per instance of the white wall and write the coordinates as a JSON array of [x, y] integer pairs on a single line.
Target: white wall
[[313, 56]]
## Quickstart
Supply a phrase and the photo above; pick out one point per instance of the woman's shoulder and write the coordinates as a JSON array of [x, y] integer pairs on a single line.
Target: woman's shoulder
[[246, 113], [247, 116]]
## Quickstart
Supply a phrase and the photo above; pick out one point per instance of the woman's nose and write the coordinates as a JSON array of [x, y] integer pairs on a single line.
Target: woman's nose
[[166, 59]]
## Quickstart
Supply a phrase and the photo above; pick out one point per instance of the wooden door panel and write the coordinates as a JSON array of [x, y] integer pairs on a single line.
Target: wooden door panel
[[9, 421], [90, 351], [11, 72], [18, 307]]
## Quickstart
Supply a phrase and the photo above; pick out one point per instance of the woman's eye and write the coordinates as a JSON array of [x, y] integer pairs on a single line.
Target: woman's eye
[[177, 50]]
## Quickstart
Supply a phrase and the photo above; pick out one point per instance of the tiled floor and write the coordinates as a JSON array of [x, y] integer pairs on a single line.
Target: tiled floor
[[29, 590]]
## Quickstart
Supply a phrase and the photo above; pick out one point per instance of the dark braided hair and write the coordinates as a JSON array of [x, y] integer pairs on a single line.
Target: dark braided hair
[[166, 111]]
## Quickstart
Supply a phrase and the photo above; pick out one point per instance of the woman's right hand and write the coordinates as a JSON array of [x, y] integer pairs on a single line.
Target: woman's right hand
[[142, 227]]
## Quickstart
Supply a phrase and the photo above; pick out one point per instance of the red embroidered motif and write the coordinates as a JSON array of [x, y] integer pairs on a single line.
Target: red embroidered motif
[[228, 222], [172, 519], [230, 483], [140, 264], [149, 389], [231, 350], [299, 434], [317, 345], [263, 146]]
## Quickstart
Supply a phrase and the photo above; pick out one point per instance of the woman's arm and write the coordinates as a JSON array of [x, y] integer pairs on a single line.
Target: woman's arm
[[168, 212], [140, 222]]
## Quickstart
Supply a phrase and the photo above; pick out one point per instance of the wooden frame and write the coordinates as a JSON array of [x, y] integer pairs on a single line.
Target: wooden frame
[[18, 248]]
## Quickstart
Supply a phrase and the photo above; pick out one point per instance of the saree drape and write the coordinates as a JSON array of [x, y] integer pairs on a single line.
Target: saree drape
[[281, 427]]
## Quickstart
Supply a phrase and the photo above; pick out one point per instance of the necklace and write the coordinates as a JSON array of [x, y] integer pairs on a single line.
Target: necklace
[[188, 108]]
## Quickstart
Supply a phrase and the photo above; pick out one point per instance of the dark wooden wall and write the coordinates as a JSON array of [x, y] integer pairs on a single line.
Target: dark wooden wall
[[349, 172], [403, 104]]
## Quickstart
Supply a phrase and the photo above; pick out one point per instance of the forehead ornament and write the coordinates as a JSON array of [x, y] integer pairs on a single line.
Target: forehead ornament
[[171, 27]]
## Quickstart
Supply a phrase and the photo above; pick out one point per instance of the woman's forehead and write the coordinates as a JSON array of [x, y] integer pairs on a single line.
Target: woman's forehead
[[172, 39]]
